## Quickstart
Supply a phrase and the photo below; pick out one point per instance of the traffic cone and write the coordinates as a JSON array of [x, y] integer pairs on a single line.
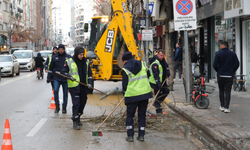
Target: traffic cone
[[52, 105], [7, 144]]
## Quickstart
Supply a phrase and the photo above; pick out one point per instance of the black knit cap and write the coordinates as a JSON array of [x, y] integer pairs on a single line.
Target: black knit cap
[[126, 56], [55, 48], [61, 46]]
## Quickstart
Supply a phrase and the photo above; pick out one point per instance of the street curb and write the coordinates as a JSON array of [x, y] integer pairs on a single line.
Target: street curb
[[217, 137]]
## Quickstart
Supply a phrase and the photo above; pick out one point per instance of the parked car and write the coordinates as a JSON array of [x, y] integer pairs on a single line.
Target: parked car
[[35, 54], [70, 51], [25, 59], [15, 49], [45, 53], [9, 65]]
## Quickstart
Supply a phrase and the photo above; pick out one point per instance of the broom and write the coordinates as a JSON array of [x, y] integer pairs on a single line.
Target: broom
[[98, 132]]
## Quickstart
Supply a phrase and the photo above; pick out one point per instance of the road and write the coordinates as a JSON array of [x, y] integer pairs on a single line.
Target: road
[[25, 101]]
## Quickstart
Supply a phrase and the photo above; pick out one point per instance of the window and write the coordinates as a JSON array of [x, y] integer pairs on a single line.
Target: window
[[5, 6], [4, 26], [1, 27]]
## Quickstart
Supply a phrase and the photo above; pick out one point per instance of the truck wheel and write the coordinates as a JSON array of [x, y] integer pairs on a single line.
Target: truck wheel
[[91, 90]]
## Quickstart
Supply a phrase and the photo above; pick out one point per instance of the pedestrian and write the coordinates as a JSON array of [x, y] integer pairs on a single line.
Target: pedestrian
[[39, 63], [159, 72], [137, 92], [194, 57], [47, 65], [225, 64], [56, 65], [78, 69], [178, 60]]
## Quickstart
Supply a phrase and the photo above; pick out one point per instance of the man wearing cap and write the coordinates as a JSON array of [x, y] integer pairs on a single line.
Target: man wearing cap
[[47, 65], [137, 92], [159, 72], [56, 65], [78, 69]]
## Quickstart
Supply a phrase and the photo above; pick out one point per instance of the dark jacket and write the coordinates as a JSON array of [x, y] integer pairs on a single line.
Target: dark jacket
[[82, 73], [225, 63], [178, 54], [194, 56], [57, 63], [39, 60], [134, 66], [156, 72]]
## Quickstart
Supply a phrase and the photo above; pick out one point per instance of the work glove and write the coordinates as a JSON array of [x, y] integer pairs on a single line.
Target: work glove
[[89, 86], [159, 85], [72, 79], [49, 80]]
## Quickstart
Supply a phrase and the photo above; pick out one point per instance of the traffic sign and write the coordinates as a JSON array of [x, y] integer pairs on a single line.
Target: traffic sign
[[147, 35], [142, 23], [184, 15]]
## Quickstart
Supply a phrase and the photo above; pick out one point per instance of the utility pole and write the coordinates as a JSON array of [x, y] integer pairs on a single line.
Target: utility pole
[[147, 29]]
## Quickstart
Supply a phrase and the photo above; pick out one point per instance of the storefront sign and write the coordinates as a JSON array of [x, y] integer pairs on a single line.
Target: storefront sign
[[184, 15], [147, 35], [235, 8], [1, 18]]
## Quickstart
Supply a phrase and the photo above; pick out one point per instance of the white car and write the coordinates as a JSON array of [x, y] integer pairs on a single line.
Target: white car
[[25, 59], [45, 53], [70, 51], [9, 65]]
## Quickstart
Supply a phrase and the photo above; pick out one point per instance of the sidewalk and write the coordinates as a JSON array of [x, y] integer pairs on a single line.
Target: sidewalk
[[232, 130]]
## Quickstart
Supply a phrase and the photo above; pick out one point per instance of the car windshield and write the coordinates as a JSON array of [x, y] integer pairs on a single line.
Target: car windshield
[[5, 59], [21, 55], [45, 54]]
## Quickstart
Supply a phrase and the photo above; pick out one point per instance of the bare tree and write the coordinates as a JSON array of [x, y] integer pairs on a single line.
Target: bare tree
[[102, 7], [19, 32]]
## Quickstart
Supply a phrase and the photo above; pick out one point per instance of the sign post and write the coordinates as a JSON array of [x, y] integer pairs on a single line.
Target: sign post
[[184, 20]]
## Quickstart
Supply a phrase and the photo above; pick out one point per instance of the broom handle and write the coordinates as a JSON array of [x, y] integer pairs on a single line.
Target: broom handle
[[110, 114], [79, 82], [157, 93]]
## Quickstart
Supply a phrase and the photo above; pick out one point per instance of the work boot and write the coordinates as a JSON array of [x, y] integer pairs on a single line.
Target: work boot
[[140, 138], [57, 109], [79, 123], [64, 111], [75, 125], [130, 139]]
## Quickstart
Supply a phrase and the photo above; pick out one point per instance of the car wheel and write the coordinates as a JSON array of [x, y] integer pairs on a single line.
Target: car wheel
[[18, 73], [12, 72]]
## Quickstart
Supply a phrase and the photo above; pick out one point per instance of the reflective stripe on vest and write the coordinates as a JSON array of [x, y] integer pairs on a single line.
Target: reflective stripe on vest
[[137, 84], [152, 78], [73, 71], [50, 58], [87, 73]]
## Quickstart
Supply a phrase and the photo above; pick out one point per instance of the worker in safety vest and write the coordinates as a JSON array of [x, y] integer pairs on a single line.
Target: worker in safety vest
[[78, 69], [47, 65], [137, 92], [159, 71]]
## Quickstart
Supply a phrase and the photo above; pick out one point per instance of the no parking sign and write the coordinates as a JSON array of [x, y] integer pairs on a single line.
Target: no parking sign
[[184, 14]]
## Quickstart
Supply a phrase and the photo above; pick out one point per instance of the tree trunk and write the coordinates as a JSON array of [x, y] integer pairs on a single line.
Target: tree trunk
[[168, 50]]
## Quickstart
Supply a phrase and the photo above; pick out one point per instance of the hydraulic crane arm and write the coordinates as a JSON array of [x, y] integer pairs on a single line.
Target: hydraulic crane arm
[[121, 21]]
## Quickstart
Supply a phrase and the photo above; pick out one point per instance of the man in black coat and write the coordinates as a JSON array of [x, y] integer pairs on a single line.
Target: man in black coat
[[225, 64], [57, 64]]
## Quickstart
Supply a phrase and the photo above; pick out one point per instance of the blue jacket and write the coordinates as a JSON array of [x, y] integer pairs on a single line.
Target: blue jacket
[[82, 73], [156, 72], [57, 63], [134, 66], [178, 54], [226, 63]]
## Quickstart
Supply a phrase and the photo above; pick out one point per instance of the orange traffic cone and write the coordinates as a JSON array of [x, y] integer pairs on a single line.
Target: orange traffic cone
[[7, 144], [52, 105]]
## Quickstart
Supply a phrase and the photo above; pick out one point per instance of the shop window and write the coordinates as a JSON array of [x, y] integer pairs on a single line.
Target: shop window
[[223, 32]]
